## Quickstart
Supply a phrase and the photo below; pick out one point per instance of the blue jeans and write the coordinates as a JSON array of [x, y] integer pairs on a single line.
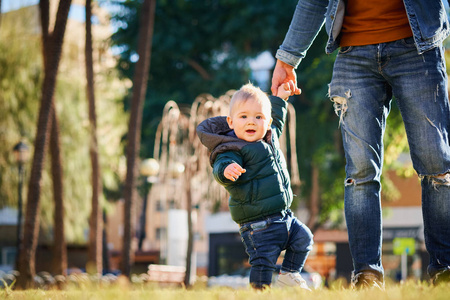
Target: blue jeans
[[265, 239], [364, 80]]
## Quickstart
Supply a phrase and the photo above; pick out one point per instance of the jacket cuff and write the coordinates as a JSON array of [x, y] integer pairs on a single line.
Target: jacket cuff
[[277, 101], [288, 58]]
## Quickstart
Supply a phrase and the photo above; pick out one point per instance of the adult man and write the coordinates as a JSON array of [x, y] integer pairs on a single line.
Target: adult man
[[387, 48]]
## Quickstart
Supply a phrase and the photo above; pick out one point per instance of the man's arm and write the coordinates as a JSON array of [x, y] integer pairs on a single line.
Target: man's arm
[[284, 73], [308, 19]]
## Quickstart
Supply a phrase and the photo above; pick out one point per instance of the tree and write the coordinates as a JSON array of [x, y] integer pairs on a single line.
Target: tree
[[31, 228], [59, 239], [95, 228], [190, 242], [22, 72], [20, 79], [59, 247], [134, 128], [204, 45]]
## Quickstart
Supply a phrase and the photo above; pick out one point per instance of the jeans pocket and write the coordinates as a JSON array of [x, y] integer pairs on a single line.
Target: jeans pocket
[[408, 42], [345, 49], [247, 240]]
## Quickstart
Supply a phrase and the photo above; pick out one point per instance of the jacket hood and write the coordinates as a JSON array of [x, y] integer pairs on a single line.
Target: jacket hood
[[217, 136], [215, 131]]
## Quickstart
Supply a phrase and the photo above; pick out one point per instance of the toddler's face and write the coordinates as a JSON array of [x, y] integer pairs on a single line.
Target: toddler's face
[[250, 120]]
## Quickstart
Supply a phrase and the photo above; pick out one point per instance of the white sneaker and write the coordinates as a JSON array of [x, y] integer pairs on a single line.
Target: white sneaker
[[292, 279]]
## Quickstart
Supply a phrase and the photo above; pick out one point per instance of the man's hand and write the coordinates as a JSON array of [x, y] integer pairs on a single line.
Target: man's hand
[[233, 171], [281, 74]]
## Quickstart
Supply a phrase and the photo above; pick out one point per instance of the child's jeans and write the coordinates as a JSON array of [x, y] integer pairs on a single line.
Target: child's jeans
[[264, 240]]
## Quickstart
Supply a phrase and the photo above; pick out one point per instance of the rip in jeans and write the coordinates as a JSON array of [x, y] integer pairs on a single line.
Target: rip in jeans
[[349, 182], [437, 180], [341, 105]]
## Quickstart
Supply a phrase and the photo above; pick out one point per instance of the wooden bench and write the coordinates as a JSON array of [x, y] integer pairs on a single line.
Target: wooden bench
[[166, 275]]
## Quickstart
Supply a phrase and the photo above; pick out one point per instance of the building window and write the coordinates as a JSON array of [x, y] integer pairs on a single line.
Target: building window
[[160, 233], [172, 204], [159, 206], [8, 257]]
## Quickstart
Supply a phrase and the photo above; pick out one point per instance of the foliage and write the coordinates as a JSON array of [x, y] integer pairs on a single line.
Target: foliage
[[21, 75], [74, 126], [198, 47]]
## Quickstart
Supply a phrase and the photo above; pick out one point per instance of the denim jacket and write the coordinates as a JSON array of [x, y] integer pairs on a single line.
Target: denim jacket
[[427, 18]]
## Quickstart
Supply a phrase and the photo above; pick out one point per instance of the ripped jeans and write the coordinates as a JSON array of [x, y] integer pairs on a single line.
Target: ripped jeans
[[364, 80]]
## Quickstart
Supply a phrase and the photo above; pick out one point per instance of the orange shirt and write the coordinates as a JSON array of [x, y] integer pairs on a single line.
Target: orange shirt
[[369, 22]]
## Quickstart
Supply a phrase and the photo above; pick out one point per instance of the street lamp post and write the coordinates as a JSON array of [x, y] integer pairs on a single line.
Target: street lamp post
[[149, 169], [21, 153]]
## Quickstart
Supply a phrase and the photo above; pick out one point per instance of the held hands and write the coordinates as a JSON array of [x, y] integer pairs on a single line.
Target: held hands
[[281, 74], [233, 171], [286, 89]]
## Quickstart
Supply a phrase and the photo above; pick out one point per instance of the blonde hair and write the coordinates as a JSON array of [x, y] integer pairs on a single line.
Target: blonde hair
[[249, 91]]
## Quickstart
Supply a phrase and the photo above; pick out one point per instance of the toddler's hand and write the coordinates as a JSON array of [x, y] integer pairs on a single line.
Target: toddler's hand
[[286, 89], [233, 171]]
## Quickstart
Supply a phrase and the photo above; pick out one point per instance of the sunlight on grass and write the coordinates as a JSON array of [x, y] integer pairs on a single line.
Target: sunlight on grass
[[122, 291]]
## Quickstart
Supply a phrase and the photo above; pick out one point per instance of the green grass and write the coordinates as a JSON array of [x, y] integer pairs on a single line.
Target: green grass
[[122, 290]]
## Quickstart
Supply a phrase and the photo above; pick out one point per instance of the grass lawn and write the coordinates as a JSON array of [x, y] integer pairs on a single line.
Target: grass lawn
[[122, 290]]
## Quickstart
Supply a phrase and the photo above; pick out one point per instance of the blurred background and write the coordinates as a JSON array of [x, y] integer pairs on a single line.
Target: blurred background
[[200, 52]]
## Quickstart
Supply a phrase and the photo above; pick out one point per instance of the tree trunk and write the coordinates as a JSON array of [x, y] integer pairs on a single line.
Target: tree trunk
[[31, 227], [105, 252], [20, 213], [190, 244], [60, 250], [314, 199], [95, 231], [134, 128]]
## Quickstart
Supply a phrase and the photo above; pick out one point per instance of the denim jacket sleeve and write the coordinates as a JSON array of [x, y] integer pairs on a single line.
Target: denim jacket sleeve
[[429, 22], [308, 19]]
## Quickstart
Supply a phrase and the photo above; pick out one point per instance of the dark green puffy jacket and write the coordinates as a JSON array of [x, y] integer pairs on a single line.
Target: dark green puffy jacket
[[264, 189]]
